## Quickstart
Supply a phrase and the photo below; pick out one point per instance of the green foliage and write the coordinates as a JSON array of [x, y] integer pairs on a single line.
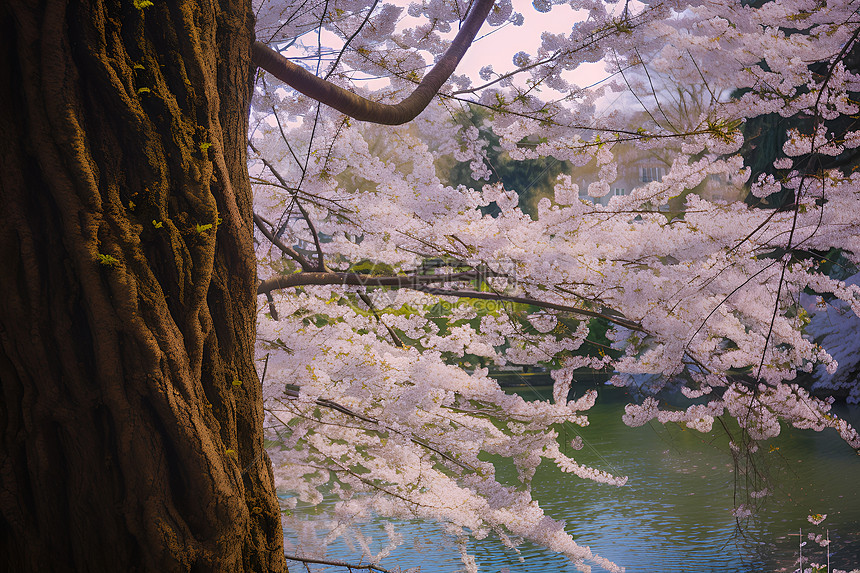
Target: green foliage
[[368, 267], [107, 260], [765, 136], [835, 264], [531, 179]]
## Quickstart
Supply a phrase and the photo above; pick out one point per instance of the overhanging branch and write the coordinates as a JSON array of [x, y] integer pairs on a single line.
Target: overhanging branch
[[422, 283], [356, 279], [626, 323], [335, 563], [361, 108], [294, 392]]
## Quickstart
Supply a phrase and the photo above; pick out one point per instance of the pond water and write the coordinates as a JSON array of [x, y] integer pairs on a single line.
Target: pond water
[[675, 513]]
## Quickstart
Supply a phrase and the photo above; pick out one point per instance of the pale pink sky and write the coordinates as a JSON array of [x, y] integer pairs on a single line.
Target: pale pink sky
[[497, 46]]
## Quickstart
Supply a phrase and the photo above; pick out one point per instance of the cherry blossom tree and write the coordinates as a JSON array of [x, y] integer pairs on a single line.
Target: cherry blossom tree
[[132, 419], [377, 386]]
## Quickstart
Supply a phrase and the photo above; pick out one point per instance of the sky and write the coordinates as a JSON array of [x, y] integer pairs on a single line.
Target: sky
[[497, 46]]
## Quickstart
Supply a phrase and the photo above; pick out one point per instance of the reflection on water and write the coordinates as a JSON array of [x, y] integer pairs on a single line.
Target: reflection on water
[[675, 513]]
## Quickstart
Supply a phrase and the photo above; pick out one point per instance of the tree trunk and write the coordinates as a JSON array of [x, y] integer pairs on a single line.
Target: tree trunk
[[131, 411]]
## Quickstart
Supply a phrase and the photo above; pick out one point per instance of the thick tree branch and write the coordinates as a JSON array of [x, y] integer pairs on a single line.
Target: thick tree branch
[[421, 282], [363, 109], [534, 302], [356, 279], [334, 563]]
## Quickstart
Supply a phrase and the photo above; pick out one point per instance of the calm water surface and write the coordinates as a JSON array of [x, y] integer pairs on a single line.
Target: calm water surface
[[675, 513]]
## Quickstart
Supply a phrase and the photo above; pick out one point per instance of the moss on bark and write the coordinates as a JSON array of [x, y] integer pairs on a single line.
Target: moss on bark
[[127, 305]]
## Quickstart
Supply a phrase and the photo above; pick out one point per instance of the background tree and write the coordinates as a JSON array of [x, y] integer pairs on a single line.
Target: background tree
[[698, 299], [531, 179]]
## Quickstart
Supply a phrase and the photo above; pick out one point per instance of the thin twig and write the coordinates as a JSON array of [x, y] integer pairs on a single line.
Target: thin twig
[[320, 266], [333, 563], [366, 300], [289, 251], [350, 39], [294, 393]]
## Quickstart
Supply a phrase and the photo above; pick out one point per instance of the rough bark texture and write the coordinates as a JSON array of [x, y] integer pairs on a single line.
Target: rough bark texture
[[131, 412]]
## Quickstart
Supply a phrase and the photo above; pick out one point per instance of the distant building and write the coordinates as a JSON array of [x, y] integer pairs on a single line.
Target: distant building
[[637, 168]]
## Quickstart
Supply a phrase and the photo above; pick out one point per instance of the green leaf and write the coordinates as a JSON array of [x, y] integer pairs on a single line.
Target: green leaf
[[107, 260]]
